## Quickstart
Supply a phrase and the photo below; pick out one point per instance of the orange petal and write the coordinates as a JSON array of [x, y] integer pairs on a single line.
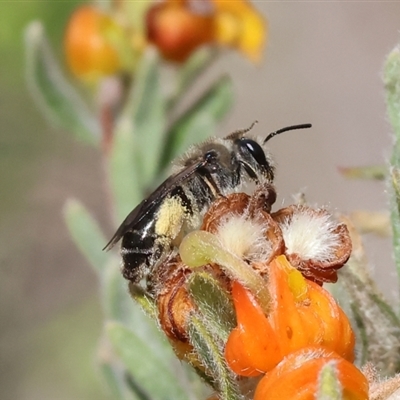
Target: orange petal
[[237, 358], [325, 306], [284, 317], [337, 333], [306, 318], [297, 377], [253, 345], [346, 345]]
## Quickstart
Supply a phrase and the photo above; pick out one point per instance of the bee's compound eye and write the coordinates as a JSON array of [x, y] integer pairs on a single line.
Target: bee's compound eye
[[255, 150], [211, 155]]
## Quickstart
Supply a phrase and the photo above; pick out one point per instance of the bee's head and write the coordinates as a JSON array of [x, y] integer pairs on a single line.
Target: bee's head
[[254, 160], [252, 156]]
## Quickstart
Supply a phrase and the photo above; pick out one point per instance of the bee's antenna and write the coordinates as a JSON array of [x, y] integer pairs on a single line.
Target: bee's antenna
[[288, 128], [250, 127]]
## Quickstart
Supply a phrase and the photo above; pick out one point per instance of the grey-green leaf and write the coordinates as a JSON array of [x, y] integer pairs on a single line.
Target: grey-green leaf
[[116, 382], [200, 121], [117, 303], [377, 323], [59, 100], [123, 170], [149, 117], [151, 370], [210, 352], [86, 234], [120, 307], [191, 71], [214, 303], [391, 79]]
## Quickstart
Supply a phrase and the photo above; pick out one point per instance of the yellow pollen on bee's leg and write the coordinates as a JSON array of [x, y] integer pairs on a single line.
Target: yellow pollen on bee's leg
[[170, 218]]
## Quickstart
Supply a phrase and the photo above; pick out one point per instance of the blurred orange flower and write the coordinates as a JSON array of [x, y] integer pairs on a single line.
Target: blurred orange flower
[[178, 27], [238, 24], [89, 43], [177, 31]]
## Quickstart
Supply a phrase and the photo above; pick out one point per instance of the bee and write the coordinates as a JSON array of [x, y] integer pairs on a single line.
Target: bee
[[214, 168]]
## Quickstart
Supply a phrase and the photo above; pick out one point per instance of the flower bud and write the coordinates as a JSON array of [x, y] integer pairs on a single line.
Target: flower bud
[[297, 377]]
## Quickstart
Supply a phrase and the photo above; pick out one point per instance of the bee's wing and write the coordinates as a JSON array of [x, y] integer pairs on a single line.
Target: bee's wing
[[150, 203]]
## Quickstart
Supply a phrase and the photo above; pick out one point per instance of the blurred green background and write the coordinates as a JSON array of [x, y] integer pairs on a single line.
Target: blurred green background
[[50, 316], [322, 66]]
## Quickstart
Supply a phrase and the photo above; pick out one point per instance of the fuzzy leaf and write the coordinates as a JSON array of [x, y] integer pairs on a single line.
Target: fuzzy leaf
[[395, 208], [191, 71], [117, 304], [123, 168], [151, 370], [377, 324], [86, 234], [116, 382], [210, 353], [119, 307], [214, 303], [391, 79], [200, 121], [362, 341], [149, 118], [395, 175], [60, 102]]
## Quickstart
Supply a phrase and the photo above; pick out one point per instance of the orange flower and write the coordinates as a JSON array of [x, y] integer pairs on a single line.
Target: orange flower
[[302, 313], [179, 27], [298, 377], [90, 43]]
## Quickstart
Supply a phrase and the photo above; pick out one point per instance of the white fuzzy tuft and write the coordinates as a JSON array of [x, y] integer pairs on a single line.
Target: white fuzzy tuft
[[310, 235], [244, 237]]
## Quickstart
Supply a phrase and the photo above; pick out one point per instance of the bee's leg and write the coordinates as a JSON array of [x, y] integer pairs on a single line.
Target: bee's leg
[[264, 197]]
